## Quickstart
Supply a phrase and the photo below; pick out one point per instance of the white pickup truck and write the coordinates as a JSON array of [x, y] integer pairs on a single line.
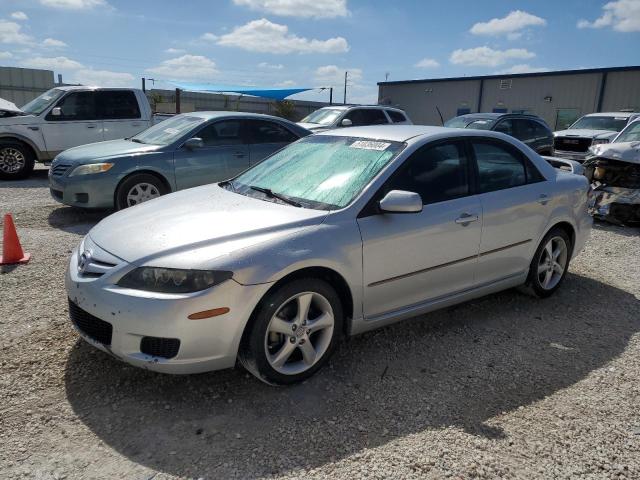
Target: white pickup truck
[[66, 117]]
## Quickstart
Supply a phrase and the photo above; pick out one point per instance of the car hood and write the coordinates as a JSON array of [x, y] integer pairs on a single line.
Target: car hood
[[7, 106], [623, 151], [101, 150], [586, 133], [314, 127], [192, 228]]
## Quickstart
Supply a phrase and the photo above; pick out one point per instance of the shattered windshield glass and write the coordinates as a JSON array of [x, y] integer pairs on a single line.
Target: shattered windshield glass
[[322, 172]]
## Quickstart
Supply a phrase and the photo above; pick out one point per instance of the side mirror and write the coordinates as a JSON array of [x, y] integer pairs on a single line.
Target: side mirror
[[346, 122], [194, 143], [56, 112], [399, 201]]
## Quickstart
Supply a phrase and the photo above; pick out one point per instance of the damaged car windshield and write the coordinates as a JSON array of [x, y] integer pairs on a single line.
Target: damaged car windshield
[[600, 123], [630, 134], [321, 172]]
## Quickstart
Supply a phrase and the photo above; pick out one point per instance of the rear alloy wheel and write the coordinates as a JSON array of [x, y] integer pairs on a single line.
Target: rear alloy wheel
[[139, 189], [16, 161], [550, 263], [294, 333]]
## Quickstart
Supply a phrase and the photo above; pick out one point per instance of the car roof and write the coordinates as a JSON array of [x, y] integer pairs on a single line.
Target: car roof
[[403, 133], [348, 107], [495, 116], [613, 114], [209, 115]]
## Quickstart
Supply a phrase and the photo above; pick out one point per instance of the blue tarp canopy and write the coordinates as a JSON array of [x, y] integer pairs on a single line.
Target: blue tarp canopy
[[274, 93]]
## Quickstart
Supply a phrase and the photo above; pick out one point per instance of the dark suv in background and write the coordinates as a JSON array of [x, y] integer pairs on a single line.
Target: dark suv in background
[[529, 129]]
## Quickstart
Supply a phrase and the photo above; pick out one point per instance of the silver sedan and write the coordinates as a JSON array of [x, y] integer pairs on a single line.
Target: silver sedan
[[336, 234]]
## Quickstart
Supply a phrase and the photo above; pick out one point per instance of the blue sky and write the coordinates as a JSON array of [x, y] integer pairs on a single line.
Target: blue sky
[[311, 43]]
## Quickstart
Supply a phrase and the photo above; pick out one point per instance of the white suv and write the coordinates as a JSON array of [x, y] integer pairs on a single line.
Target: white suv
[[353, 116]]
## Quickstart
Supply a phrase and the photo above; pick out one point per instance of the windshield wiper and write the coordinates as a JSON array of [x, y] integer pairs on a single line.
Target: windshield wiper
[[269, 193], [136, 140]]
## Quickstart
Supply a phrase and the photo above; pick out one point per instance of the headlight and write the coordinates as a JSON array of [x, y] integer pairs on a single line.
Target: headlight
[[91, 168], [172, 280], [599, 141]]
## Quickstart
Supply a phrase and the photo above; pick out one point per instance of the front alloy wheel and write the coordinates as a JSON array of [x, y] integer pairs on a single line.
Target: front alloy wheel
[[293, 333]]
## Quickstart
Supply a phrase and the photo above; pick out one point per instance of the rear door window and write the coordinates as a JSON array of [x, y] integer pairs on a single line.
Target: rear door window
[[524, 129], [118, 104], [499, 166], [262, 131]]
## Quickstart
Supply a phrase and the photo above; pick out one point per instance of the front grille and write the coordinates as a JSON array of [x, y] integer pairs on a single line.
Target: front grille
[[91, 326], [572, 144], [160, 347], [59, 169]]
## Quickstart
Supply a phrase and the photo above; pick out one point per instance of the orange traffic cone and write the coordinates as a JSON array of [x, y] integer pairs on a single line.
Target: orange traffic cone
[[11, 248]]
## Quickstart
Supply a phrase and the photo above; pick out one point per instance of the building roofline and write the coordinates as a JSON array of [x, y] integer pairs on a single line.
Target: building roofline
[[516, 75]]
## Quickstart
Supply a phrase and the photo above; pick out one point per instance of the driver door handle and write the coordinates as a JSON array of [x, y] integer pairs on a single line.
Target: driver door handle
[[91, 126], [239, 154], [543, 199], [466, 218]]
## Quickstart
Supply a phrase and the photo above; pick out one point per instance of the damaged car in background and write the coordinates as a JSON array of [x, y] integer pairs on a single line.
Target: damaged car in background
[[588, 131], [614, 172]]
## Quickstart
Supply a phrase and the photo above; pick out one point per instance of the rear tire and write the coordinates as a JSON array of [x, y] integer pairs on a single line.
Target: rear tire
[[139, 188], [293, 332], [550, 263], [16, 161]]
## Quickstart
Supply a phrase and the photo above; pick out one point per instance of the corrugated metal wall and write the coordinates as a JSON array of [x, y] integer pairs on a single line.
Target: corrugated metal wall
[[420, 100], [21, 85], [552, 97]]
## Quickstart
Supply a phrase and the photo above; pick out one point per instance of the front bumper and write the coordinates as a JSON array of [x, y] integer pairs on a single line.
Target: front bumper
[[204, 345], [85, 191], [577, 156], [616, 204]]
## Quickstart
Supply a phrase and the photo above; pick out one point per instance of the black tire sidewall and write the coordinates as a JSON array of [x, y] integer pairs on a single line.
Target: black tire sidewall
[[128, 183], [254, 347], [29, 163], [533, 281]]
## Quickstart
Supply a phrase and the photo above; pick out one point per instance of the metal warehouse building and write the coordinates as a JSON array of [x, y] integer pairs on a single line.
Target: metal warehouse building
[[558, 97]]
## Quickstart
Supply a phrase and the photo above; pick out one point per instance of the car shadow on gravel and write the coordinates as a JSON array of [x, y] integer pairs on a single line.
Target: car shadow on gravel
[[624, 230], [75, 220], [38, 178], [458, 368]]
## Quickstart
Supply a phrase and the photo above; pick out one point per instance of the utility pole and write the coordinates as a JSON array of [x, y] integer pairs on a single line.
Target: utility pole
[[177, 100], [346, 76], [330, 95], [386, 76], [143, 84]]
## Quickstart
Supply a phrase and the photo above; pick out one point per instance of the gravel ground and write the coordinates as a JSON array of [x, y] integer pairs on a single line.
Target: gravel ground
[[504, 387]]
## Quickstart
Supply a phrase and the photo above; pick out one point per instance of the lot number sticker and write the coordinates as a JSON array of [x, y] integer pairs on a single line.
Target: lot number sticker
[[370, 145]]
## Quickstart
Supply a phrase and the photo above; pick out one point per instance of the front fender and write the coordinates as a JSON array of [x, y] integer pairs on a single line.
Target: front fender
[[40, 154]]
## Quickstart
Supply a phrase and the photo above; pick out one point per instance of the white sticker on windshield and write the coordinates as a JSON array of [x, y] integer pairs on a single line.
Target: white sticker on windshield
[[370, 145], [171, 131], [620, 118]]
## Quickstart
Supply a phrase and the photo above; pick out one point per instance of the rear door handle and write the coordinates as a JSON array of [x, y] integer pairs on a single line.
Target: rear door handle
[[239, 154], [543, 199], [91, 126], [466, 218]]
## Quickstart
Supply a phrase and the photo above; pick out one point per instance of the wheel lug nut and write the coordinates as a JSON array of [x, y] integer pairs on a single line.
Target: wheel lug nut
[[302, 341], [294, 327], [292, 339]]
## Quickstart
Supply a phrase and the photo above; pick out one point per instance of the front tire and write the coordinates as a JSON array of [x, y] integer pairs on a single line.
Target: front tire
[[16, 161], [293, 333], [139, 188], [550, 263]]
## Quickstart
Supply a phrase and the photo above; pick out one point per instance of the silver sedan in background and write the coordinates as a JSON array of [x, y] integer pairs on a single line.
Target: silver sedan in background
[[338, 233]]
